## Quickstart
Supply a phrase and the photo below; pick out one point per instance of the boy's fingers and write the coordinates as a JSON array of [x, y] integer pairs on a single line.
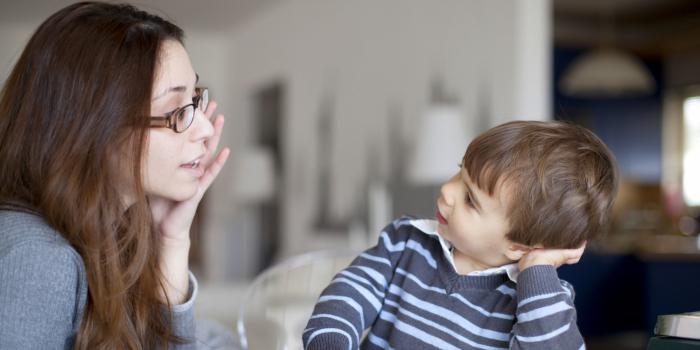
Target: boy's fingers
[[573, 261], [574, 255]]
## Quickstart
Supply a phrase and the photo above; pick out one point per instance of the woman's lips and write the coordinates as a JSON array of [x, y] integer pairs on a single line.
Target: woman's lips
[[441, 219], [195, 168]]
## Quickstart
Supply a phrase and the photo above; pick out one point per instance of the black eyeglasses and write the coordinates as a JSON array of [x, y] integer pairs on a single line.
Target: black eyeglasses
[[181, 119]]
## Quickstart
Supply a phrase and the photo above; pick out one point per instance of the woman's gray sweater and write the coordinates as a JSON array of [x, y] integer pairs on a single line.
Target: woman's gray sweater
[[43, 288]]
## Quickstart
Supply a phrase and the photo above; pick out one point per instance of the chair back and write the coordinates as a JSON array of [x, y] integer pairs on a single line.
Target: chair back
[[281, 299]]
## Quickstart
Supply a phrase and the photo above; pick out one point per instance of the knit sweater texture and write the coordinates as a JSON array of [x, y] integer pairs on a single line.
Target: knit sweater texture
[[43, 288], [404, 293]]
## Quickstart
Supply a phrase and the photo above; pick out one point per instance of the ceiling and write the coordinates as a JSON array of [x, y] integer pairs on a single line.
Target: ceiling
[[191, 14], [652, 27]]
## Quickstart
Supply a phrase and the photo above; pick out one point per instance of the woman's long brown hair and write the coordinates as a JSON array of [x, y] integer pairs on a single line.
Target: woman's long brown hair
[[72, 129]]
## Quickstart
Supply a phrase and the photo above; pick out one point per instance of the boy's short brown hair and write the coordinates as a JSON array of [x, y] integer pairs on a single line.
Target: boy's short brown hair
[[559, 178]]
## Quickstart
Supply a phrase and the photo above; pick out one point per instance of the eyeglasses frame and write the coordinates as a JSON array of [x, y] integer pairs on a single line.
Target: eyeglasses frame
[[168, 120]]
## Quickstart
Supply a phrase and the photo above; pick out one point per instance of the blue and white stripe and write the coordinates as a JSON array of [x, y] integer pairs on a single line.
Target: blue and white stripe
[[404, 290]]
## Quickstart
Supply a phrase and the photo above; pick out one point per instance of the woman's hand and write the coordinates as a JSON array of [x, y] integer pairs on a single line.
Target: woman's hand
[[174, 219], [554, 257]]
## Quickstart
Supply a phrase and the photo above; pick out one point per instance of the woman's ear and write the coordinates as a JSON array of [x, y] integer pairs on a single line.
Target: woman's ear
[[516, 251]]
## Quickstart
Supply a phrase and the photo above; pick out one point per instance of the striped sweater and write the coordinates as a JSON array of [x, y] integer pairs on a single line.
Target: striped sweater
[[406, 292]]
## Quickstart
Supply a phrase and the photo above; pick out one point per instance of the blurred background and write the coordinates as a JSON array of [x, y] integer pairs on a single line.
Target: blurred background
[[345, 114]]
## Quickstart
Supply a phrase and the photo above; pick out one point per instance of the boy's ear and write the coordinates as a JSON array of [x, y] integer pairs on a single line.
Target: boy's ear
[[517, 250]]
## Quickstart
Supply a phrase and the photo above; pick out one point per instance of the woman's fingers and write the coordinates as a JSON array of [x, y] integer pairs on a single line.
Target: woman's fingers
[[211, 107], [214, 169], [213, 142], [218, 122]]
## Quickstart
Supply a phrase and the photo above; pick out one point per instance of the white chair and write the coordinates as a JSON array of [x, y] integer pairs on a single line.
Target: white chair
[[280, 300]]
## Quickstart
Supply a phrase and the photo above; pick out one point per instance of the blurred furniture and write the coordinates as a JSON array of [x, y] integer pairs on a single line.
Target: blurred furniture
[[280, 300], [676, 332], [213, 335], [685, 325], [623, 293], [220, 301], [673, 343]]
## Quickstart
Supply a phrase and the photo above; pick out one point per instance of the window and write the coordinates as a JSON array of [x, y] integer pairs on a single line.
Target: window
[[691, 151]]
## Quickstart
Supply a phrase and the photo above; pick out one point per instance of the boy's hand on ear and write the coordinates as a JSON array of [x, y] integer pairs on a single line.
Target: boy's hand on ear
[[554, 257]]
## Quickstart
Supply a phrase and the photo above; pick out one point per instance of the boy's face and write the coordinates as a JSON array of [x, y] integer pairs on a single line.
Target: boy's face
[[475, 223]]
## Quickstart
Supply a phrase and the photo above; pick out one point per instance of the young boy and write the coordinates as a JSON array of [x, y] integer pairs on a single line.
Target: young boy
[[526, 198]]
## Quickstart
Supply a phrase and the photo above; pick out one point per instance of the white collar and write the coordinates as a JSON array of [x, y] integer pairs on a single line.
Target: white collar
[[429, 227]]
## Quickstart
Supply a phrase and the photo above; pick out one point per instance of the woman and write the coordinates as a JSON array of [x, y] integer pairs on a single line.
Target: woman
[[107, 148]]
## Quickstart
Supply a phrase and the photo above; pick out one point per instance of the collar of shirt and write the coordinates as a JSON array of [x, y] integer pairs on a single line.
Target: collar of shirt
[[429, 227]]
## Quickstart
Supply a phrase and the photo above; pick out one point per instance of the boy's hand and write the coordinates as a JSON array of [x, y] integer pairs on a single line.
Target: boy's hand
[[554, 257]]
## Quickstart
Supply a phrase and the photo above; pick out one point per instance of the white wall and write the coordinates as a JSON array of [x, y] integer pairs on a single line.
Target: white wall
[[13, 37], [372, 56]]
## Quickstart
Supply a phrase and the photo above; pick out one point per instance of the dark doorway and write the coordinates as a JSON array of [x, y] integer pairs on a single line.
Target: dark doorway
[[268, 114]]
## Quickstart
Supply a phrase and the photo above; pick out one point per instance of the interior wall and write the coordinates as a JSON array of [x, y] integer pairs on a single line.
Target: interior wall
[[373, 63], [13, 37], [372, 60]]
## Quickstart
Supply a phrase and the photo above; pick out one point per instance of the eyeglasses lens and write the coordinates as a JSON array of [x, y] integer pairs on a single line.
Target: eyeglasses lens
[[204, 100], [184, 118]]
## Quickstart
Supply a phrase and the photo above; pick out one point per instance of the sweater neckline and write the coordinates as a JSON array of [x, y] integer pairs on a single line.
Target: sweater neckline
[[456, 282], [452, 280]]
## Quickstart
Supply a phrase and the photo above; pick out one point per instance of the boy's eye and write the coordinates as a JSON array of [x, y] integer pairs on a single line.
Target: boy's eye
[[468, 199]]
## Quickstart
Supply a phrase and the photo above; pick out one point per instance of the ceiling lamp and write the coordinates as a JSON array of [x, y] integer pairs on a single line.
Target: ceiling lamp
[[607, 72]]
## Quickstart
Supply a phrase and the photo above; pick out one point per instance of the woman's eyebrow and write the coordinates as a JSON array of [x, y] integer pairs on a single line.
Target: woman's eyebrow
[[179, 88]]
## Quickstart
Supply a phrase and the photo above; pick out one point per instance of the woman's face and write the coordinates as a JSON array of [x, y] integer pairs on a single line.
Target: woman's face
[[172, 168]]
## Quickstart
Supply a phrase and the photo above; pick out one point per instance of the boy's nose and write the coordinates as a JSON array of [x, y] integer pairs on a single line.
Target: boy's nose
[[447, 192]]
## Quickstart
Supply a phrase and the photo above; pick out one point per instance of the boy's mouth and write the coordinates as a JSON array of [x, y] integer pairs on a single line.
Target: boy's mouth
[[441, 219]]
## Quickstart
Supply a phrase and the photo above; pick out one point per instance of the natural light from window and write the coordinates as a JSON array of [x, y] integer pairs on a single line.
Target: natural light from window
[[691, 151]]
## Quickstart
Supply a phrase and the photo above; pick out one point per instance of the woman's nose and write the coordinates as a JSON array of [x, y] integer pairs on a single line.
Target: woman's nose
[[203, 127]]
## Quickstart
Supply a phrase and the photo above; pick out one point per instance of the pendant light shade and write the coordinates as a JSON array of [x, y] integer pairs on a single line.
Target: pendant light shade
[[607, 72]]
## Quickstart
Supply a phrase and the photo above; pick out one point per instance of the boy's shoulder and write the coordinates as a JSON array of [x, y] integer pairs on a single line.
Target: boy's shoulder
[[409, 237], [409, 229]]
